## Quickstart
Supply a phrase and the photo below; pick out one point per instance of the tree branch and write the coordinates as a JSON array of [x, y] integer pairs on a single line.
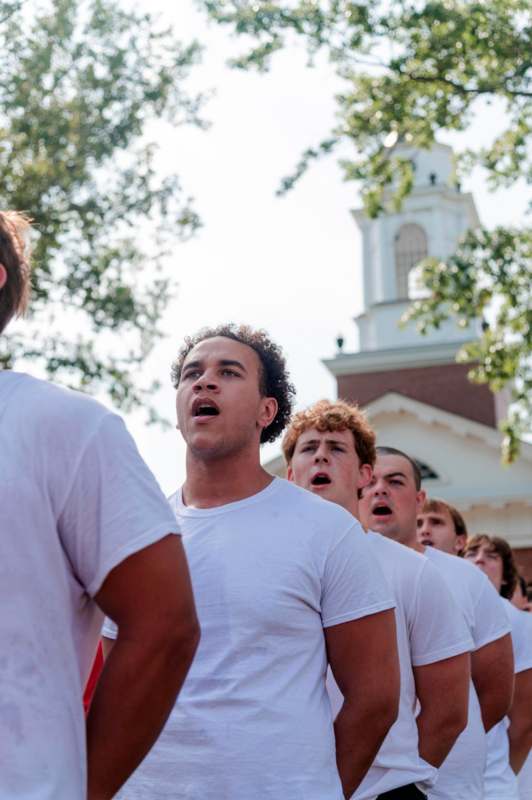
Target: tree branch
[[494, 89]]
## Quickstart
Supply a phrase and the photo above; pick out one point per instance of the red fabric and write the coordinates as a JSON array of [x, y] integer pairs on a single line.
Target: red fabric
[[93, 678]]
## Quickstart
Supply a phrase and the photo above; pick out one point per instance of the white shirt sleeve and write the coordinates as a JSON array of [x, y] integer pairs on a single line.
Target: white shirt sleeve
[[353, 585], [522, 640], [113, 507], [491, 621], [437, 626]]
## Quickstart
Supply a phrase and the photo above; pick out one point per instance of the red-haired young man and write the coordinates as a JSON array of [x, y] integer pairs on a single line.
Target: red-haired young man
[[329, 449]]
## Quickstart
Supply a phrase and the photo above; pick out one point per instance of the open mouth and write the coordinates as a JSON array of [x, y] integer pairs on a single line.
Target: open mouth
[[321, 479], [382, 510], [426, 543], [205, 409]]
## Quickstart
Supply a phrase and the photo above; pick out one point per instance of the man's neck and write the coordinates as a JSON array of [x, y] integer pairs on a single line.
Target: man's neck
[[407, 541], [413, 544], [352, 507], [216, 482]]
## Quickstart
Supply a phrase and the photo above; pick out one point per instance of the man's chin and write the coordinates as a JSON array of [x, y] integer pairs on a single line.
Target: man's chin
[[326, 491], [212, 448], [383, 525]]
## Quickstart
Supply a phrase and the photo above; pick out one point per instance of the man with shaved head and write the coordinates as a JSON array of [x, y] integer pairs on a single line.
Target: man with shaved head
[[390, 504]]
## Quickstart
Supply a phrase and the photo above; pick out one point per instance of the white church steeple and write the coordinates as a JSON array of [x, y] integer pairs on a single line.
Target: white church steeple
[[400, 360], [430, 223]]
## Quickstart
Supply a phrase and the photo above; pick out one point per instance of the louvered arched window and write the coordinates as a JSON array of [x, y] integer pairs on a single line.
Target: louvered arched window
[[410, 248]]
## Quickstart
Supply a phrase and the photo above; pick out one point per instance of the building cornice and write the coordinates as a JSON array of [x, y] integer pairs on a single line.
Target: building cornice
[[422, 355], [425, 193], [395, 403]]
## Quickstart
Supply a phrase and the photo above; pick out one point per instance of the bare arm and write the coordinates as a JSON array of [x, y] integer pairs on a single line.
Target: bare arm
[[364, 662], [150, 598], [520, 730], [442, 689], [492, 671]]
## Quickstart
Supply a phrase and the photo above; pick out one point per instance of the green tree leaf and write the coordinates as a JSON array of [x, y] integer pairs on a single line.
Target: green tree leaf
[[81, 81], [413, 70]]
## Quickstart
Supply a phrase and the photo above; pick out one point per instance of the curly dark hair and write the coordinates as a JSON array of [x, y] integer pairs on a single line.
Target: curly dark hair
[[274, 377]]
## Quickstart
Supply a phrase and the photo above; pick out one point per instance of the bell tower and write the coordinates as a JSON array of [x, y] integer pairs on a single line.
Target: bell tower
[[394, 359]]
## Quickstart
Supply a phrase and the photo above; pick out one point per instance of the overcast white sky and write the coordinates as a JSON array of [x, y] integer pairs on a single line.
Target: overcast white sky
[[288, 265]]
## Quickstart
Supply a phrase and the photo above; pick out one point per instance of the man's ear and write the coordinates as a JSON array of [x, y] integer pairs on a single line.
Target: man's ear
[[459, 543], [267, 412], [3, 276], [365, 474], [421, 496], [289, 474]]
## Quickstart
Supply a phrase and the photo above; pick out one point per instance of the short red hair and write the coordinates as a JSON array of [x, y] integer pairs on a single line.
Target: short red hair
[[332, 416]]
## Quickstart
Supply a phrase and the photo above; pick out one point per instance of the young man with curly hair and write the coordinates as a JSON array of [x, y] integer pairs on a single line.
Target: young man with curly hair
[[284, 584], [510, 741], [330, 450], [390, 504], [84, 528]]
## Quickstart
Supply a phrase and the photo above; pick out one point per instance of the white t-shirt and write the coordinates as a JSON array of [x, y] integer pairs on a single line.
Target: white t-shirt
[[500, 781], [460, 777], [429, 628], [253, 720], [524, 779], [76, 499]]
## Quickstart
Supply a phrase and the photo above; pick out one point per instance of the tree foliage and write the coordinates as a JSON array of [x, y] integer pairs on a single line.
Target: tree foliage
[[81, 82], [409, 71]]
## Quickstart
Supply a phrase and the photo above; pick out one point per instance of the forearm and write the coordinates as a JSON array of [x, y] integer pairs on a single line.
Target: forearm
[[359, 734], [437, 734], [135, 694], [520, 738]]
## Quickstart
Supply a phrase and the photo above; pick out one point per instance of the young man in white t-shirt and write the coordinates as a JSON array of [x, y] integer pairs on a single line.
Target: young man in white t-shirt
[[441, 526], [509, 742], [330, 450], [390, 504], [84, 529], [284, 584]]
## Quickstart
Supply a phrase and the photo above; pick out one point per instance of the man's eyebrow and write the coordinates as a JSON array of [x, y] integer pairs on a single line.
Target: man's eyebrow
[[223, 362], [189, 364], [328, 441], [231, 362], [397, 474]]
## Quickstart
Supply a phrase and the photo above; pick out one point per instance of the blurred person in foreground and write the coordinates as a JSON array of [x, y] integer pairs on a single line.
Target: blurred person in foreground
[[84, 529], [285, 584], [330, 450], [510, 741], [390, 504]]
